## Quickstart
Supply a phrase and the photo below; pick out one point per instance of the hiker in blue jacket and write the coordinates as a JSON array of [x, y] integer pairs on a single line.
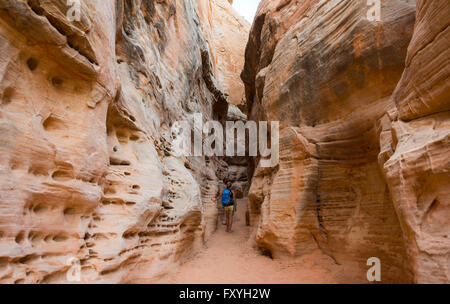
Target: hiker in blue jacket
[[229, 203]]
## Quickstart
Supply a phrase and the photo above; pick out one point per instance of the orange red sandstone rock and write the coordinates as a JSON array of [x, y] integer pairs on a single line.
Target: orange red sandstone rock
[[327, 74], [227, 35], [364, 147], [415, 138]]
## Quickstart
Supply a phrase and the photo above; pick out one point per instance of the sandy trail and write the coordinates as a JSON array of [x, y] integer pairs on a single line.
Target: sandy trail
[[229, 258]]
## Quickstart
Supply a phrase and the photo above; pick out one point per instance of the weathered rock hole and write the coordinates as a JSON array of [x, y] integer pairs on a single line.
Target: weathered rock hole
[[266, 252], [60, 238], [114, 162], [127, 173], [62, 175], [187, 166], [115, 149], [136, 187], [32, 64], [108, 271], [35, 237], [40, 208], [69, 211], [7, 95], [52, 123], [110, 190], [27, 259], [167, 206], [129, 235], [117, 162], [57, 82], [20, 237], [15, 165]]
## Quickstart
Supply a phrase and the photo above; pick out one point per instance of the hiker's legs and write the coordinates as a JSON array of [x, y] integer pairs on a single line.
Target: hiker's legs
[[229, 220], [224, 217], [227, 217]]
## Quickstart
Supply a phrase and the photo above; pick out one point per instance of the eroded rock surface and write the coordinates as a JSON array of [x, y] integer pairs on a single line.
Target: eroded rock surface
[[87, 169], [415, 145], [327, 73], [229, 35]]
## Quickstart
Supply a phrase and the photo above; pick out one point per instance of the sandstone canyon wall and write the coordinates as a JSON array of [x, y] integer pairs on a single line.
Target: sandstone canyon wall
[[364, 127], [228, 36], [415, 145], [87, 169]]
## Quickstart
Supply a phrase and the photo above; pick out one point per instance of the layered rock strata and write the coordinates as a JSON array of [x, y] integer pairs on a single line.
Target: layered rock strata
[[329, 73], [415, 149]]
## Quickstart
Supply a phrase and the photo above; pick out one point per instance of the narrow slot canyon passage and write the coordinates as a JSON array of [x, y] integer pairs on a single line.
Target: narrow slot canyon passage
[[229, 258], [357, 180]]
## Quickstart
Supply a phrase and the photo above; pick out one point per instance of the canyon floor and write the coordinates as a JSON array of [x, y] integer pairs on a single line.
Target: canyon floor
[[229, 258]]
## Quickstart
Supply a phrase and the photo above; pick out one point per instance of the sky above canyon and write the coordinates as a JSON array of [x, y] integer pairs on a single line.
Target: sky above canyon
[[246, 8]]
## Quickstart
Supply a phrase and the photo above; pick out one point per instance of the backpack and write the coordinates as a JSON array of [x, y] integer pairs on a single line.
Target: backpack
[[226, 197]]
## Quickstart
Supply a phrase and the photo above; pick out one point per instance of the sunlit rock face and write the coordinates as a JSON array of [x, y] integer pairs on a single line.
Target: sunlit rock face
[[228, 36], [415, 152], [327, 73], [88, 171]]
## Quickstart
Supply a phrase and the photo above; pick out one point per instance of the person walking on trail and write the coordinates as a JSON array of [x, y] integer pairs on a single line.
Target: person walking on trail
[[228, 199]]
